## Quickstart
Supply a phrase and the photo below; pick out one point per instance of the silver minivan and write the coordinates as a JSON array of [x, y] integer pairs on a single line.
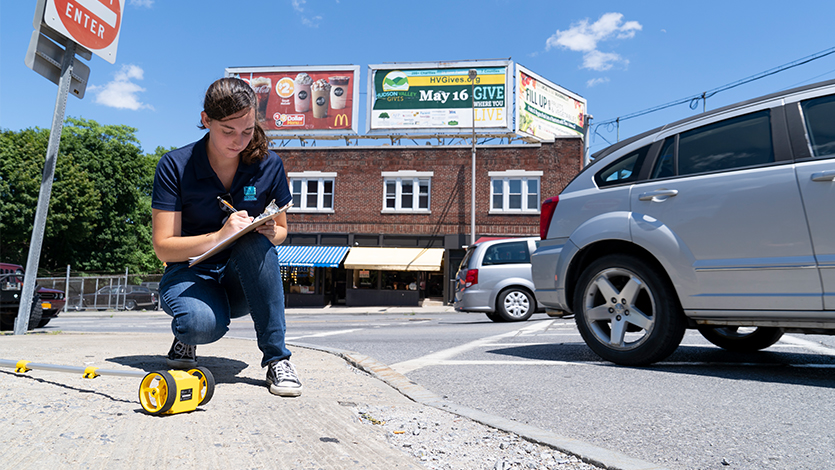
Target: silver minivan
[[495, 278], [724, 222]]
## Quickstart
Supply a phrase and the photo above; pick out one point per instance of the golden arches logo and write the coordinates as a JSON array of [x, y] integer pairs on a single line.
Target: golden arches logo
[[341, 120]]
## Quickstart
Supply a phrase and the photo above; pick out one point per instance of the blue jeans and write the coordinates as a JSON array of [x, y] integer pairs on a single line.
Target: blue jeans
[[203, 299]]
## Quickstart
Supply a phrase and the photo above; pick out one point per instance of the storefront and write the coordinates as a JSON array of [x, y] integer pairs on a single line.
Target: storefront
[[310, 274], [390, 276]]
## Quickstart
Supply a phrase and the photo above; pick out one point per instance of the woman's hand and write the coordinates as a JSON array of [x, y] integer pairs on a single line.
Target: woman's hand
[[268, 229], [234, 224]]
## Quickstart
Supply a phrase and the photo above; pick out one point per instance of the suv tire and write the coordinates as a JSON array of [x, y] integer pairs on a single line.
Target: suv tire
[[7, 321], [730, 338], [514, 304], [626, 312]]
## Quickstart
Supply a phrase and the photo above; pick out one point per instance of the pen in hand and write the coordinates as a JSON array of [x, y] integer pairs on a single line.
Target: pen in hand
[[225, 203]]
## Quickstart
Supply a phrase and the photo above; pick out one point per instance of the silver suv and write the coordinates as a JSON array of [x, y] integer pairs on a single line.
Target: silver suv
[[723, 222], [495, 278]]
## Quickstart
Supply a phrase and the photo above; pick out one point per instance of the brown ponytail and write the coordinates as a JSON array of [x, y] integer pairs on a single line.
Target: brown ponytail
[[228, 96]]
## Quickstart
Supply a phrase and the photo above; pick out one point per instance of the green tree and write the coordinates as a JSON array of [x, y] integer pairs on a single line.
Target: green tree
[[73, 204], [99, 215]]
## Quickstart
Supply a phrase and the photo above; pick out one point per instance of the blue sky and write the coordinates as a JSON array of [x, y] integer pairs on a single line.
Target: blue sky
[[623, 57]]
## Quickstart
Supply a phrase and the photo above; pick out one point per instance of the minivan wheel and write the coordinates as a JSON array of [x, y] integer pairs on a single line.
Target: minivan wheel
[[741, 339], [515, 304], [626, 312]]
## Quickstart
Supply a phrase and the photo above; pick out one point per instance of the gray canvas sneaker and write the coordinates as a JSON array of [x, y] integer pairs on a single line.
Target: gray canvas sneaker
[[182, 355], [282, 379]]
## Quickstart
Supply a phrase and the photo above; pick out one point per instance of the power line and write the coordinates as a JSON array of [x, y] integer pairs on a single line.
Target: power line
[[702, 97]]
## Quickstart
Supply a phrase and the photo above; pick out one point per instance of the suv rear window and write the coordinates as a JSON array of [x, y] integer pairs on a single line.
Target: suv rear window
[[733, 143], [820, 125], [506, 253]]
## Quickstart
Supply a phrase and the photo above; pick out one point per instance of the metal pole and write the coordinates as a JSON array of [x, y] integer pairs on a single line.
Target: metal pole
[[67, 292], [472, 74], [22, 322], [586, 129], [125, 297]]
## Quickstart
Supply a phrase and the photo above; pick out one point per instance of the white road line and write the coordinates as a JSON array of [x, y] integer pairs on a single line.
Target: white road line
[[711, 346], [321, 335], [436, 357], [810, 345], [512, 363]]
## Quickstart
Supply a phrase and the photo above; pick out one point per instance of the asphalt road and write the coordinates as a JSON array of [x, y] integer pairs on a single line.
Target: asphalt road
[[702, 408]]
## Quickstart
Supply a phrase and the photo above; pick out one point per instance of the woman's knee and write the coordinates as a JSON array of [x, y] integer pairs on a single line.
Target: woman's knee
[[199, 326]]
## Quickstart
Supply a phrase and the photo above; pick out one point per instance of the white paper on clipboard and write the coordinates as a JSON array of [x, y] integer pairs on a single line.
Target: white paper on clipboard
[[257, 222]]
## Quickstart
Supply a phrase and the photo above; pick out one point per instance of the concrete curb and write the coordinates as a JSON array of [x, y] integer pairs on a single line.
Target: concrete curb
[[588, 453]]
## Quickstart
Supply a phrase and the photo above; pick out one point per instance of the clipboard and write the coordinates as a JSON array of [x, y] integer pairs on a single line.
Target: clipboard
[[225, 243]]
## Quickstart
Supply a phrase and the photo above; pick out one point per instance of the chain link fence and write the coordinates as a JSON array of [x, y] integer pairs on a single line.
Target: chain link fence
[[84, 291]]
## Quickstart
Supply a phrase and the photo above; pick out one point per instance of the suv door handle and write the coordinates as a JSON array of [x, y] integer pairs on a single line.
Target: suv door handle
[[660, 195], [825, 176]]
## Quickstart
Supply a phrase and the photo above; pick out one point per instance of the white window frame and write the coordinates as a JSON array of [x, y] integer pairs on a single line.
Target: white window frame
[[320, 177], [524, 176], [413, 178]]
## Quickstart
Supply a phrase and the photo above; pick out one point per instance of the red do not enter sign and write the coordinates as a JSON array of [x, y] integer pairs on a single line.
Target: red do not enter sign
[[92, 23]]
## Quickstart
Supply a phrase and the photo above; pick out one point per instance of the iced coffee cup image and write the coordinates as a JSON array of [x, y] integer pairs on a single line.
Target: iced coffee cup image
[[321, 91], [339, 91], [301, 98], [262, 87]]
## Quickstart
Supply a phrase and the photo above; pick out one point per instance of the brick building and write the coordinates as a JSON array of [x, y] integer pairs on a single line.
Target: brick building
[[415, 197]]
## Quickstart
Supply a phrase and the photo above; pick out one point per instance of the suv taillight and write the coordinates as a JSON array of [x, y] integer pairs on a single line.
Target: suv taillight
[[546, 214], [472, 278]]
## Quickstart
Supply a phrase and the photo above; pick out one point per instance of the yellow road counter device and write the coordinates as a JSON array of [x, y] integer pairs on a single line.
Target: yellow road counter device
[[160, 392]]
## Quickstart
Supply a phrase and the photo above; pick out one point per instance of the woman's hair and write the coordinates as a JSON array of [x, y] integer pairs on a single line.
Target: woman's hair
[[228, 96]]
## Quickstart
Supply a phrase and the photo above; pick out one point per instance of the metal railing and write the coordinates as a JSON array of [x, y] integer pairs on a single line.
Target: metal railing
[[97, 291]]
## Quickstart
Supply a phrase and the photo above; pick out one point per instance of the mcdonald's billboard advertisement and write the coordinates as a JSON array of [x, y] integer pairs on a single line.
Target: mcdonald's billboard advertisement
[[546, 110], [439, 96], [315, 100]]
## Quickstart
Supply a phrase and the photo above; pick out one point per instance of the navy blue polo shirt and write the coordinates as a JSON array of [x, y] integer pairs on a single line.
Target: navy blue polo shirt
[[185, 182]]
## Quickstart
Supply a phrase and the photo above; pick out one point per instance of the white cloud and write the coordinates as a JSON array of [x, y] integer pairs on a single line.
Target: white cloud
[[584, 37], [142, 3], [597, 81], [601, 61], [307, 20], [311, 22], [122, 92]]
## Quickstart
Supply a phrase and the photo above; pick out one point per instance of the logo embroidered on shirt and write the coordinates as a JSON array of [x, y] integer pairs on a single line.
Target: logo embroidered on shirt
[[249, 193]]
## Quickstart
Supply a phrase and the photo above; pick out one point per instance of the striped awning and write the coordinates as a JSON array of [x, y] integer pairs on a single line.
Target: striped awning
[[316, 256]]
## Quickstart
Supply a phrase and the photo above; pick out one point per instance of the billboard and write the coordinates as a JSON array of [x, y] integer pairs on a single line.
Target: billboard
[[314, 100], [546, 110], [439, 96]]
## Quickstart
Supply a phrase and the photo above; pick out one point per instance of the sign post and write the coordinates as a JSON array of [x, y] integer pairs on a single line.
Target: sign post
[[88, 25]]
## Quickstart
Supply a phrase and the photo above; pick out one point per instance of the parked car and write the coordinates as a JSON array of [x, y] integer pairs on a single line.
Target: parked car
[[721, 222], [495, 278], [154, 288], [117, 298], [46, 304], [52, 302]]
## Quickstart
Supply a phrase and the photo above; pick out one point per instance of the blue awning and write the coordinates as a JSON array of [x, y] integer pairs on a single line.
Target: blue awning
[[318, 256]]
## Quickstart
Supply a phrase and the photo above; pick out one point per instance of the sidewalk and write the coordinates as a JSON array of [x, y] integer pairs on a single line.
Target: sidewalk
[[61, 420]]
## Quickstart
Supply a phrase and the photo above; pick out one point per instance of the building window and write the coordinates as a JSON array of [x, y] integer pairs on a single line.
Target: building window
[[514, 191], [312, 191], [406, 191]]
